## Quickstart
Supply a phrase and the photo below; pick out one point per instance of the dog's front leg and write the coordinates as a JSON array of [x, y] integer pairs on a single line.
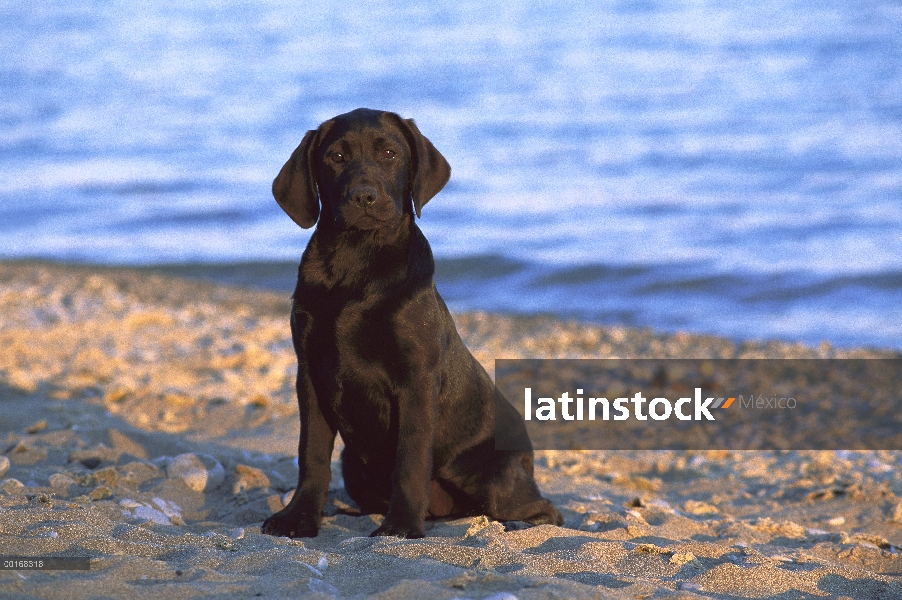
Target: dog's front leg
[[412, 477], [303, 515]]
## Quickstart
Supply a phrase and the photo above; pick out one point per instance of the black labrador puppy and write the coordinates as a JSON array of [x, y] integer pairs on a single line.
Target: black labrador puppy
[[379, 358]]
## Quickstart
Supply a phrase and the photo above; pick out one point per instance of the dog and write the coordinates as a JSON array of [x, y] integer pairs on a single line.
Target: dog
[[379, 358]]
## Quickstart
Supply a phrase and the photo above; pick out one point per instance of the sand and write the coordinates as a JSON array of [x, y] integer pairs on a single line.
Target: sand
[[149, 423]]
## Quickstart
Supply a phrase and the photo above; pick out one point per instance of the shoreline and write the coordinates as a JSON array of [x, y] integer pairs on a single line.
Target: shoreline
[[221, 280], [150, 423]]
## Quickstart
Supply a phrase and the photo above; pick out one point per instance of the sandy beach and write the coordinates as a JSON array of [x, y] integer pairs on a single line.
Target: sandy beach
[[149, 423]]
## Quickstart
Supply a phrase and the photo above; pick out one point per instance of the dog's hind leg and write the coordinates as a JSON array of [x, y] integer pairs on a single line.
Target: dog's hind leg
[[512, 494], [505, 489]]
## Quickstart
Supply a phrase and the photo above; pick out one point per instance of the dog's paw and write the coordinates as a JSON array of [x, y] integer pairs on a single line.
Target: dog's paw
[[548, 516], [287, 524], [410, 532]]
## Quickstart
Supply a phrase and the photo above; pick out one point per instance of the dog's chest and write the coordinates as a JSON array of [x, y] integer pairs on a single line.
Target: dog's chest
[[352, 353]]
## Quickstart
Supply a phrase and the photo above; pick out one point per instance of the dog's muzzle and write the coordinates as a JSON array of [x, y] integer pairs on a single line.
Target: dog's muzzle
[[364, 196]]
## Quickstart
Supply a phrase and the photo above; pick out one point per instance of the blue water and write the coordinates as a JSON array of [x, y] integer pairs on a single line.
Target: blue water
[[695, 166]]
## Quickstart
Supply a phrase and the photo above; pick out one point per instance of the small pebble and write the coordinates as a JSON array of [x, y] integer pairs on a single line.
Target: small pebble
[[101, 492], [897, 511], [4, 465], [200, 472], [37, 427], [151, 514], [61, 481], [106, 476], [12, 486], [681, 558], [248, 478]]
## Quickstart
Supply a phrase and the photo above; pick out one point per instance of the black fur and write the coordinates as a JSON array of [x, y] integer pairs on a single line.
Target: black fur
[[379, 358]]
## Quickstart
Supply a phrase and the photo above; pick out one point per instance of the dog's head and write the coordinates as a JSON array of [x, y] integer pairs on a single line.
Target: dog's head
[[367, 168]]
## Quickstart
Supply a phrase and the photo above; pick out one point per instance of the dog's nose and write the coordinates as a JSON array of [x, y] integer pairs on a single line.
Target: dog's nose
[[364, 195]]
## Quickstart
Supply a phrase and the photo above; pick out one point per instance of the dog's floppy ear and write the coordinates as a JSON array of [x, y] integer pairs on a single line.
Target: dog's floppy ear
[[295, 186], [430, 171]]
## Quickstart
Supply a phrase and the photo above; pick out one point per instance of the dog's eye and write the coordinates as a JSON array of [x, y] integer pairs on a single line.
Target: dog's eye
[[337, 157], [388, 153]]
